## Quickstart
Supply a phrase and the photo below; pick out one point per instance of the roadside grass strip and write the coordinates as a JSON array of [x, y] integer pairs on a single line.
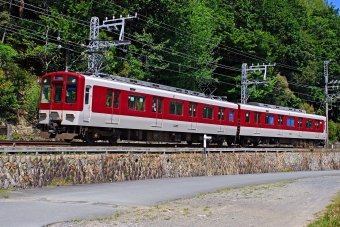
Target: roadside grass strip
[[331, 216]]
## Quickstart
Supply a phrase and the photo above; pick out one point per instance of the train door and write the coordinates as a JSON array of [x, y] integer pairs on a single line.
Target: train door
[[257, 121], [280, 125], [193, 116], [300, 132], [87, 104], [112, 103], [317, 127], [220, 118], [57, 104], [157, 107]]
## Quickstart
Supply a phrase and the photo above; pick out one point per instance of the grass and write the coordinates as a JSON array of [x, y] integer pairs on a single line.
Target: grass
[[331, 216], [59, 181]]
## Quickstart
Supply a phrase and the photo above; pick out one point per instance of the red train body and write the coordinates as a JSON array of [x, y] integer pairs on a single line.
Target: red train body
[[93, 108]]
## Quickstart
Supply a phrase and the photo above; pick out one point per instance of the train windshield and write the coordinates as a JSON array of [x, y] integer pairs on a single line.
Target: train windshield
[[46, 90], [71, 89]]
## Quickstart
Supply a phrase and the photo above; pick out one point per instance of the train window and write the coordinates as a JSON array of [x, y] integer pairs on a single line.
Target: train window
[[46, 90], [280, 120], [247, 117], [58, 88], [87, 95], [300, 122], [208, 112], [290, 121], [221, 113], [257, 118], [309, 124], [116, 99], [176, 108], [112, 95], [109, 98], [157, 105], [192, 109], [71, 93], [317, 124], [269, 119], [136, 102], [231, 115]]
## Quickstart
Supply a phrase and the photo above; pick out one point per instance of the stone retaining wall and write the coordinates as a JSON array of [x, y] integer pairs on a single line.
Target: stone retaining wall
[[26, 171]]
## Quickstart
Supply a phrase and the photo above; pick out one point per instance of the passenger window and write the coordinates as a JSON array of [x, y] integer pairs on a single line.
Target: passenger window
[[46, 90], [247, 117], [192, 109], [136, 102], [290, 121], [176, 108], [208, 112], [257, 117], [221, 113], [309, 124], [300, 122], [157, 105], [269, 119], [231, 115]]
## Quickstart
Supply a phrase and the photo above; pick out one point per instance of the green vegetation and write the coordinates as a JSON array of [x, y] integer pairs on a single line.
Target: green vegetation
[[331, 217], [189, 42]]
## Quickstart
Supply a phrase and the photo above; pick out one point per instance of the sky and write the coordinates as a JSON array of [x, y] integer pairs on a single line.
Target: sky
[[336, 3]]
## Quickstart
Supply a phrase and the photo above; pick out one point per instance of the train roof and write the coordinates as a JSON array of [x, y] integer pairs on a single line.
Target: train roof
[[276, 107], [156, 86]]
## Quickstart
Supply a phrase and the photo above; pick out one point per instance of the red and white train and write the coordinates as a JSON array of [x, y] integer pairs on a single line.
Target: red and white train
[[91, 108]]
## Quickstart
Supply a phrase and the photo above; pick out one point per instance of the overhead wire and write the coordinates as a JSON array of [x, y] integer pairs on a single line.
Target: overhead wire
[[227, 67]]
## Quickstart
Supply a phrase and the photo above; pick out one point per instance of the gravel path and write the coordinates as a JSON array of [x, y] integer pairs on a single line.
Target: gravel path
[[286, 203]]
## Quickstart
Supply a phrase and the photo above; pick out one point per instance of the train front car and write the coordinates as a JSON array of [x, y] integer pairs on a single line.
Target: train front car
[[61, 104]]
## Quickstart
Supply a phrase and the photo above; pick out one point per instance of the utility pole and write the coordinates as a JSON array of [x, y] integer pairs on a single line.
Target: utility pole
[[96, 47], [245, 81]]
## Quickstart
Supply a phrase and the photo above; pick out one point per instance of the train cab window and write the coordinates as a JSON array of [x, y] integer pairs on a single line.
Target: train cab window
[[58, 88], [46, 90], [247, 117], [192, 109], [221, 113], [290, 121], [71, 89], [269, 119], [257, 118], [280, 120], [157, 105], [317, 124], [231, 115], [176, 108], [300, 122], [309, 124], [136, 102], [208, 112]]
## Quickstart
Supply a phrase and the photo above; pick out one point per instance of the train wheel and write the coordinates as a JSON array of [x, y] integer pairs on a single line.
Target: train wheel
[[89, 138], [112, 140]]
